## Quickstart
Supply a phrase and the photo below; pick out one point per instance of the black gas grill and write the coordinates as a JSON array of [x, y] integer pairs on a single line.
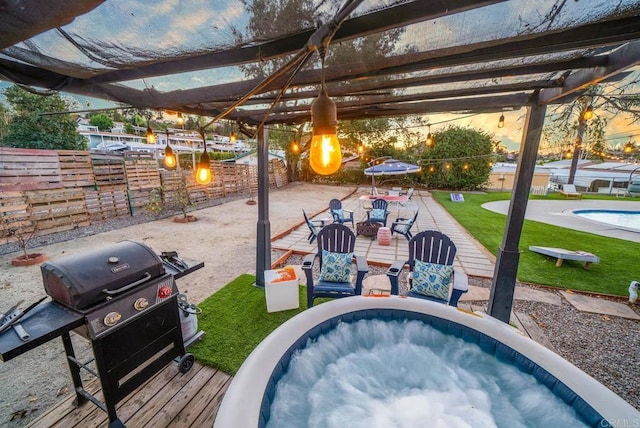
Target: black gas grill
[[123, 299]]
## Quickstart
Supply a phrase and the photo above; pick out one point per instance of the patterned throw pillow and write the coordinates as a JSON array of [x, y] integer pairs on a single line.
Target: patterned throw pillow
[[336, 267], [377, 213], [339, 214], [432, 279]]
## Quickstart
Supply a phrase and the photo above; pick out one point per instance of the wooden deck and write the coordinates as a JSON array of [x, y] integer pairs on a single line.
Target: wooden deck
[[169, 399]]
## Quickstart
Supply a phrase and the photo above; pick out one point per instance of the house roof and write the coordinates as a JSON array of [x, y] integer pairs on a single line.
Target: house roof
[[197, 57]]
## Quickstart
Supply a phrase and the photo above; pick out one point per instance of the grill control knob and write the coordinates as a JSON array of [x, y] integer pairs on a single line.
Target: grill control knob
[[164, 292], [112, 319], [141, 304]]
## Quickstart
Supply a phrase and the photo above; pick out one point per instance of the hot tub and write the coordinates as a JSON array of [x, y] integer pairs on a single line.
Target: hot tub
[[248, 400]]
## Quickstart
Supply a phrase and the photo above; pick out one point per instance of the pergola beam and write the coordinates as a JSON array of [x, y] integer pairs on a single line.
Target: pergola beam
[[618, 61]]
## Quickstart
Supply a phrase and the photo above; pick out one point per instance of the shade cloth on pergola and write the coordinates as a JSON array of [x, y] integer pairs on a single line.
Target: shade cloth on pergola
[[202, 57]]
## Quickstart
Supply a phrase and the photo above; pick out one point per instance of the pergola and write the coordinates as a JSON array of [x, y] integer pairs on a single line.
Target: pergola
[[233, 59]]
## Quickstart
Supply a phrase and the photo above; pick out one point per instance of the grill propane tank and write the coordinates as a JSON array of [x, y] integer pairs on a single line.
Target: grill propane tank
[[188, 317]]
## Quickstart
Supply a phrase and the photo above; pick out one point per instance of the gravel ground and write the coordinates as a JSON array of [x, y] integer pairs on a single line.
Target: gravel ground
[[605, 347]]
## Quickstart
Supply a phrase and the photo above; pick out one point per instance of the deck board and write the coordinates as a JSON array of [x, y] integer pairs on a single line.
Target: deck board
[[166, 399]]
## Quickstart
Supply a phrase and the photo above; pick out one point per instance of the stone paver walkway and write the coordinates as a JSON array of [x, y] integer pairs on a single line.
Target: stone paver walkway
[[471, 256]]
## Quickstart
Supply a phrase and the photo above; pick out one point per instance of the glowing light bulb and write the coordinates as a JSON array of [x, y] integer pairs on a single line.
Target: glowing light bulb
[[429, 141], [151, 137], [180, 120], [203, 173], [501, 121], [325, 156], [169, 160]]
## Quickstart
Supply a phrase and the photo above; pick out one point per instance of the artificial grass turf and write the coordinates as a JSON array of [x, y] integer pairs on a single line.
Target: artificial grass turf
[[612, 275], [235, 320]]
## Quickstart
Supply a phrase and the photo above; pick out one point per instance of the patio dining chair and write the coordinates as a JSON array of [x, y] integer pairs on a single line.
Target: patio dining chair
[[314, 227], [431, 273], [378, 212], [403, 226], [340, 215], [336, 244]]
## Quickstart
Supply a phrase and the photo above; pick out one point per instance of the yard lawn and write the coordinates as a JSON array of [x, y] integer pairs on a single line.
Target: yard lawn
[[618, 261]]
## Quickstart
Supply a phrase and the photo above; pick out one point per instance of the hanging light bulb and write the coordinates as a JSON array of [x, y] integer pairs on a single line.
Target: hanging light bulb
[[169, 162], [501, 121], [629, 147], [232, 137], [360, 149], [203, 172], [429, 141], [432, 169], [151, 137], [180, 120], [295, 147], [588, 113], [325, 156], [568, 154]]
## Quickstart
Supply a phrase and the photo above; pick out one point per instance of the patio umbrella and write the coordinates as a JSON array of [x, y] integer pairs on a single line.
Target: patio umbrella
[[390, 167]]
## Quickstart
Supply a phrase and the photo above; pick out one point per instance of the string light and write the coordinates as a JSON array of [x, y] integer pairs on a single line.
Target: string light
[[588, 113], [501, 121], [169, 162], [325, 155], [295, 147], [429, 141], [151, 137], [180, 120], [203, 172]]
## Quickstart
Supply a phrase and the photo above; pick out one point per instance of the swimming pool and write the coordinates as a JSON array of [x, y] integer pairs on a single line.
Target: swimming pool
[[247, 402], [621, 219]]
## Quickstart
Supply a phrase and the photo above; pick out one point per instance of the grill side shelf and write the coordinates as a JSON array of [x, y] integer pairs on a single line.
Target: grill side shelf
[[46, 321], [178, 271]]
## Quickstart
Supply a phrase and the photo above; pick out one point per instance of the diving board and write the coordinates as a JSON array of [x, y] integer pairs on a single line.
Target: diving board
[[561, 254]]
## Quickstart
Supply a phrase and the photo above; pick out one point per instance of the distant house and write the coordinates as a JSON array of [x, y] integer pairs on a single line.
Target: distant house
[[251, 158]]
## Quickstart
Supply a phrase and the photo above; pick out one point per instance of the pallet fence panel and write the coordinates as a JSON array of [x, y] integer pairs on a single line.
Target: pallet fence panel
[[106, 203], [75, 168], [280, 172], [108, 170], [139, 199], [198, 193], [216, 187], [14, 216], [142, 173], [171, 183], [57, 210], [29, 169]]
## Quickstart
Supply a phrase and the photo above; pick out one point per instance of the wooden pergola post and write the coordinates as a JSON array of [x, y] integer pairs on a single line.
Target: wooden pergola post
[[504, 276]]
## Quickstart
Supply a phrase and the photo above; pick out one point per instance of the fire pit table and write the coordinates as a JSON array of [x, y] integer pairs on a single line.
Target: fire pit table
[[368, 228]]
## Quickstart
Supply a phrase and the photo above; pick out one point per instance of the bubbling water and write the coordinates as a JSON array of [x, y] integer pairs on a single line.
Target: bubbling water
[[374, 373]]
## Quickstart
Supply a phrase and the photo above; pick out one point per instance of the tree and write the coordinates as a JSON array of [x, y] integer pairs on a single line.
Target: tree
[[587, 138], [460, 159], [102, 121], [28, 127]]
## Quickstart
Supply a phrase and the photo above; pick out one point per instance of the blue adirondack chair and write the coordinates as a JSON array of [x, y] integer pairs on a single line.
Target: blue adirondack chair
[[378, 212], [403, 226], [434, 251], [340, 215], [336, 243]]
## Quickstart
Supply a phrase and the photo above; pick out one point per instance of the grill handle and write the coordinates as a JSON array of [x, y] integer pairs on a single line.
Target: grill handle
[[147, 277]]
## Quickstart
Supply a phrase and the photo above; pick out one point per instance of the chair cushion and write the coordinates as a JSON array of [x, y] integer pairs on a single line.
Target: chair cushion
[[339, 213], [401, 228], [377, 213], [336, 267], [431, 279]]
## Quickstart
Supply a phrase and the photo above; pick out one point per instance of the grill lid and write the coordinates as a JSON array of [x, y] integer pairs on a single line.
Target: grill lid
[[82, 280]]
